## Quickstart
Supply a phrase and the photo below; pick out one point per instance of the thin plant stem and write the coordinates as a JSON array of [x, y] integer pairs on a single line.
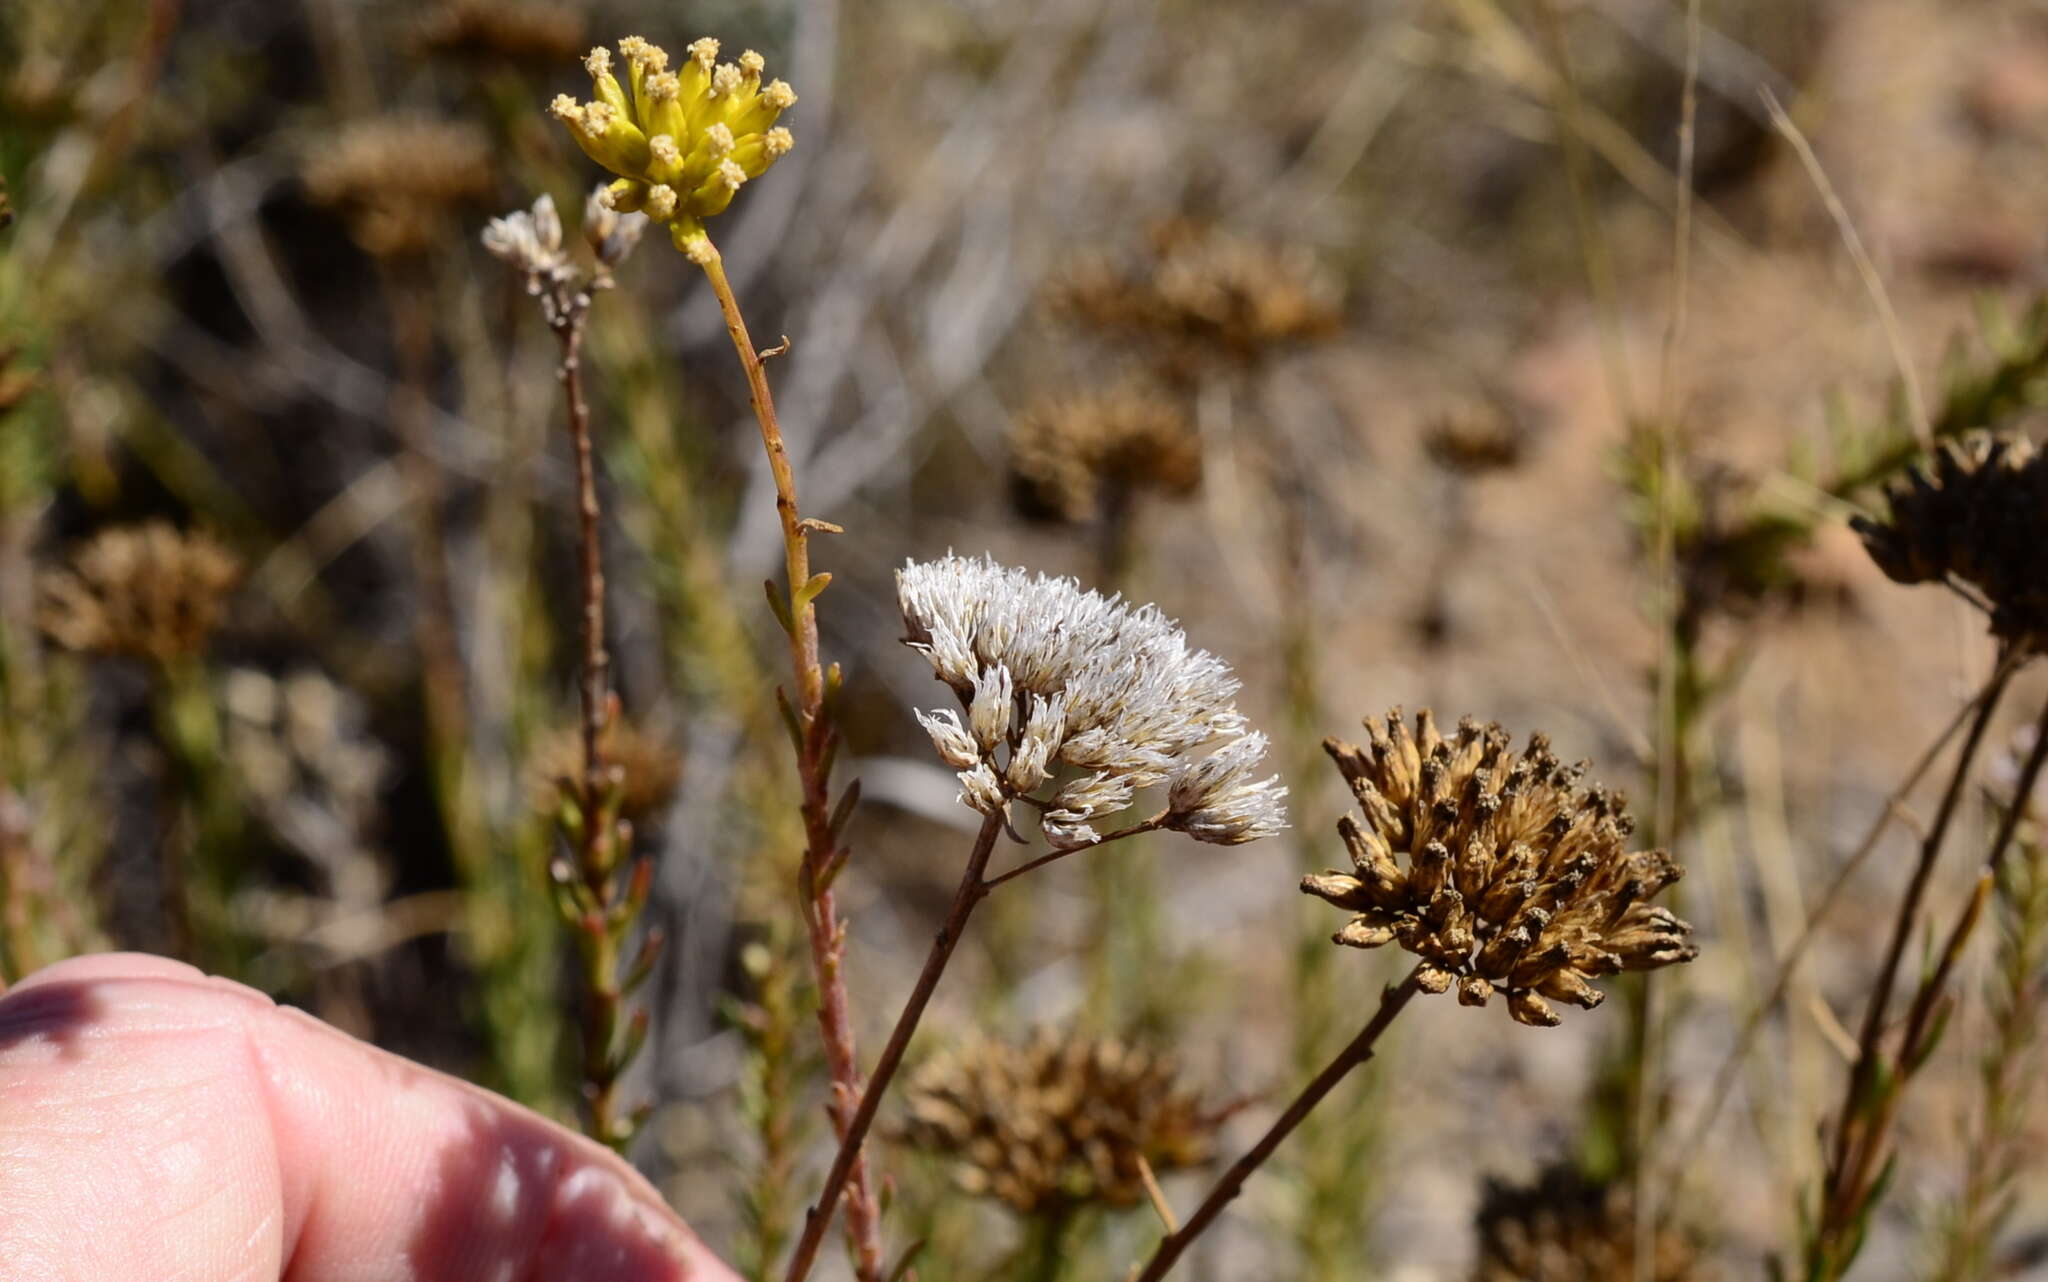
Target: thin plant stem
[[1392, 1000], [1788, 966], [1856, 1139], [816, 740], [2023, 791], [595, 685], [1157, 1196], [608, 910], [1851, 1179], [972, 890]]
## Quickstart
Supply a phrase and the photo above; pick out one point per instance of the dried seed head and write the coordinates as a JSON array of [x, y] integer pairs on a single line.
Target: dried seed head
[[397, 179], [1479, 440], [494, 31], [698, 132], [1976, 514], [648, 765], [146, 591], [1201, 293], [1050, 674], [1564, 1228], [1059, 1121], [1072, 455], [1496, 867]]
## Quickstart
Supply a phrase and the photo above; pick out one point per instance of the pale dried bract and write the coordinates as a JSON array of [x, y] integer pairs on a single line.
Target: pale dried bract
[[1049, 674], [1059, 1121], [147, 591], [1498, 870]]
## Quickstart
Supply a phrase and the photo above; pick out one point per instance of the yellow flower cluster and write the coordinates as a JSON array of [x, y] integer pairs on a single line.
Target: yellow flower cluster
[[682, 142]]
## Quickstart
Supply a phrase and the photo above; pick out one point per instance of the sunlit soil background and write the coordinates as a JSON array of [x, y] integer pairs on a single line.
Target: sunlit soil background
[[244, 292]]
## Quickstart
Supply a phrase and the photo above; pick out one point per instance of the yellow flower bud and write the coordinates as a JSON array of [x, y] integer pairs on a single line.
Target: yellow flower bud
[[664, 113], [716, 192], [755, 152], [599, 64], [750, 115], [665, 160], [625, 195], [609, 138], [681, 142]]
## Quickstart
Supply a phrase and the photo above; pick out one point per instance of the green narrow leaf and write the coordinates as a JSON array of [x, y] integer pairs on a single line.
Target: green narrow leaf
[[780, 607]]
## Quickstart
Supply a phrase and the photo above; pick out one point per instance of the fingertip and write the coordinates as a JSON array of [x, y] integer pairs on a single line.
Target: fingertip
[[101, 967]]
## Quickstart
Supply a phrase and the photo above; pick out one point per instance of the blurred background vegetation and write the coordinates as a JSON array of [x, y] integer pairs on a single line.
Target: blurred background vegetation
[[1352, 333]]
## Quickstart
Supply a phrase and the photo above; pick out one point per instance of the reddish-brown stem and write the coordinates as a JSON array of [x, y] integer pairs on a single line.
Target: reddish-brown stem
[[827, 935], [611, 901], [596, 663], [1392, 1000], [972, 890]]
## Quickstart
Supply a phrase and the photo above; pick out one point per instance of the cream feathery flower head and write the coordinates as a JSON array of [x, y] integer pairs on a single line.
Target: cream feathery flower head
[[1050, 674], [682, 141]]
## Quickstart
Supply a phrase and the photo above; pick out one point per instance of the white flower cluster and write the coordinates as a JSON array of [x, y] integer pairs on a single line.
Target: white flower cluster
[[1050, 674], [531, 242]]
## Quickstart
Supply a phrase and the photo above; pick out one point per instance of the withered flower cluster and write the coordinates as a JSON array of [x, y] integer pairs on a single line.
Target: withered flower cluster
[[1498, 871], [146, 591], [1476, 441], [1565, 1228], [1202, 292], [1058, 1121], [398, 178], [648, 769], [1074, 454], [498, 31], [1977, 515], [1049, 675]]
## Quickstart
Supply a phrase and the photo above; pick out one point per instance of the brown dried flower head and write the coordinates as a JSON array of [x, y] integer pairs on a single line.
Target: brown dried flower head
[[1203, 293], [146, 591], [398, 178], [492, 30], [1477, 441], [1072, 455], [1975, 515], [1058, 1121], [649, 767], [1564, 1228], [1498, 871]]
